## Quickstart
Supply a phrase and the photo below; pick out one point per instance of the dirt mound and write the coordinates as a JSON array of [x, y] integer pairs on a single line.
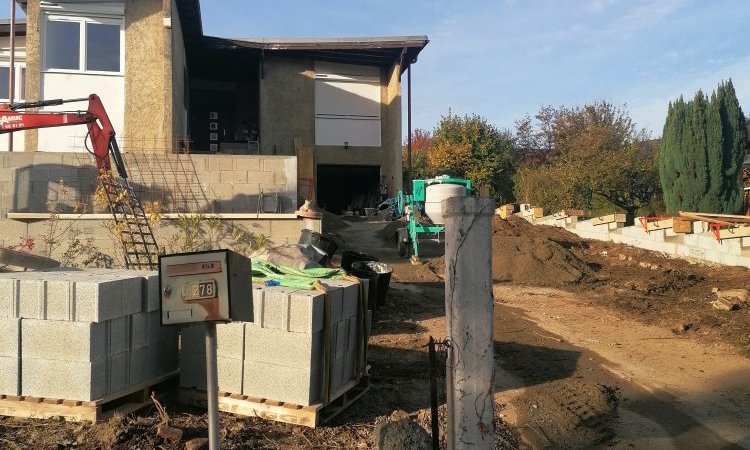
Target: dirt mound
[[535, 261], [532, 254], [333, 223]]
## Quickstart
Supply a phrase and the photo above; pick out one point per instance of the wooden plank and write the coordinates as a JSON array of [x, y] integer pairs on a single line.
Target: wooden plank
[[130, 400], [655, 225], [734, 233], [722, 216], [610, 218], [682, 225]]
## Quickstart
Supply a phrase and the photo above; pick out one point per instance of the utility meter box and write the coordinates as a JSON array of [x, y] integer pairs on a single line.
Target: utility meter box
[[210, 286]]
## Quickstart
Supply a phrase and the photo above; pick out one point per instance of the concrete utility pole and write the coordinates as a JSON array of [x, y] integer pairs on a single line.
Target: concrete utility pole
[[468, 306]]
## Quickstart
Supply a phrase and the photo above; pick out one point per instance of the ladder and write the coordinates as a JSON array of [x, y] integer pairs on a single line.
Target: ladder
[[131, 224]]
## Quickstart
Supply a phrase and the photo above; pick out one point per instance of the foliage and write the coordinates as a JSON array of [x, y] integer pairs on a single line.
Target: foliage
[[704, 144], [198, 233], [420, 146], [591, 157], [473, 148]]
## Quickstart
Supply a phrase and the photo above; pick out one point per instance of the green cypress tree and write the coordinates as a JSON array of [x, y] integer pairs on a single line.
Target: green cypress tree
[[703, 147]]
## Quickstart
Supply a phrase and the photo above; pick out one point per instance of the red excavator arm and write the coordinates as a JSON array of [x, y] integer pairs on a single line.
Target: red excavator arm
[[101, 133], [130, 220]]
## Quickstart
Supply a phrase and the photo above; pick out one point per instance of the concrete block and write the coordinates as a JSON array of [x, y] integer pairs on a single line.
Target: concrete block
[[60, 300], [139, 330], [132, 295], [119, 335], [297, 385], [10, 375], [138, 366], [10, 338], [338, 376], [336, 297], [274, 311], [153, 295], [164, 356], [64, 341], [192, 370], [119, 372], [306, 311], [341, 338], [69, 380], [350, 298], [230, 374], [8, 297], [31, 299], [350, 365], [98, 301], [230, 341], [154, 327], [193, 339], [282, 348], [353, 334]]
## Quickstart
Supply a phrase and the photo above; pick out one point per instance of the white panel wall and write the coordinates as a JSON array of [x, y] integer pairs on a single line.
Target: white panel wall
[[18, 144], [111, 89], [347, 105]]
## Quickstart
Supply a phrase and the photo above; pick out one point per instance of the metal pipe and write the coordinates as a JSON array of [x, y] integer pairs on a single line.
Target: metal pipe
[[12, 68], [408, 126], [212, 387]]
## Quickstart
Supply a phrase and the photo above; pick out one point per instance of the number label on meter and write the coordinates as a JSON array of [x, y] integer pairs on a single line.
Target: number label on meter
[[201, 290]]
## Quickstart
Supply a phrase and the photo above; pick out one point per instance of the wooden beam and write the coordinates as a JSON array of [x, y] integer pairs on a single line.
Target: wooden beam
[[610, 218]]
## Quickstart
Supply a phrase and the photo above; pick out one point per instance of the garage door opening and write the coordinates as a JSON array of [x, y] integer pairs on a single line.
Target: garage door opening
[[348, 188]]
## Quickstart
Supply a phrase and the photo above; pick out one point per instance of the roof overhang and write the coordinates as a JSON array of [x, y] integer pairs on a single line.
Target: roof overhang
[[5, 27], [381, 51]]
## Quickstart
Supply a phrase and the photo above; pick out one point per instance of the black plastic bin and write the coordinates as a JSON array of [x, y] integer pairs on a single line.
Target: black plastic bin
[[349, 257], [361, 270], [310, 237], [382, 278]]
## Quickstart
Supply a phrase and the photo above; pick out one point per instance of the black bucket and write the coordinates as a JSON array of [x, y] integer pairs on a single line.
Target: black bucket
[[383, 272], [361, 270], [310, 237], [349, 257]]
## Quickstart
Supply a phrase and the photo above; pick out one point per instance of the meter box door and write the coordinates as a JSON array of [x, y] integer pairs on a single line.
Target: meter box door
[[210, 286]]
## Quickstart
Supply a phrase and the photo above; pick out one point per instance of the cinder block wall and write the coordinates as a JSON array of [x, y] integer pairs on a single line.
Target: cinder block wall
[[181, 183], [701, 245]]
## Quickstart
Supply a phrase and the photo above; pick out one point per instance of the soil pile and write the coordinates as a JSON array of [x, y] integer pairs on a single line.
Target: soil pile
[[532, 254]]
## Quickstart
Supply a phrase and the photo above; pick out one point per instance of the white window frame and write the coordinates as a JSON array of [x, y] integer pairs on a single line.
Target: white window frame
[[17, 94], [82, 21]]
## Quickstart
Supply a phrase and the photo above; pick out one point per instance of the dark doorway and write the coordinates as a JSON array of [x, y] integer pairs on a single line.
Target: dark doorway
[[348, 188]]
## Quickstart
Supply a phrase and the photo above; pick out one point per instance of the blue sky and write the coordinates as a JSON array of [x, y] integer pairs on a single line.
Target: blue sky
[[505, 58]]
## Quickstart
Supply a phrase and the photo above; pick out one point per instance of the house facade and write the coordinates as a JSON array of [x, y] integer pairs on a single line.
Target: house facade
[[335, 103]]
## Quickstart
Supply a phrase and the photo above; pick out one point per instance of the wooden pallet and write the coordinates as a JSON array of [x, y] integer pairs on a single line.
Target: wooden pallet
[[122, 402], [308, 416]]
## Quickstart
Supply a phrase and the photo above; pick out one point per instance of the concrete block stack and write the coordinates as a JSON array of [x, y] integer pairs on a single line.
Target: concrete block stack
[[81, 335], [281, 355]]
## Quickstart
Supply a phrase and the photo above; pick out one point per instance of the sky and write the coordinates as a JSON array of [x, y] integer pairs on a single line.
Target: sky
[[503, 59]]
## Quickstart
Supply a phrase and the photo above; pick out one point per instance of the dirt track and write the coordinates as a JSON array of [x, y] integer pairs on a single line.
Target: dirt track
[[603, 362]]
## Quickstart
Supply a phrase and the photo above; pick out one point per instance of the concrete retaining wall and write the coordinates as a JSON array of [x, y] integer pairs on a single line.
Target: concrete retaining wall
[[701, 245], [42, 182], [281, 355], [81, 335]]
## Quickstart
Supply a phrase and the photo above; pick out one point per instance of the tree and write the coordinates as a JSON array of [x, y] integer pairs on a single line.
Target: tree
[[596, 156], [420, 147], [491, 158], [704, 145]]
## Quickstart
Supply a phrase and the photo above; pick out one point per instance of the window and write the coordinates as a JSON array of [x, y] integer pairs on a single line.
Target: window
[[83, 44], [102, 47], [63, 45], [20, 81]]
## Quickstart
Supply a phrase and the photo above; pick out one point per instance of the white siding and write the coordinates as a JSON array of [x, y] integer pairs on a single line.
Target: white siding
[[18, 142], [347, 105]]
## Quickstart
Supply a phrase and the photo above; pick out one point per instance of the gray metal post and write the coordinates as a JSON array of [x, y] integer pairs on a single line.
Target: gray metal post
[[469, 319], [212, 387]]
